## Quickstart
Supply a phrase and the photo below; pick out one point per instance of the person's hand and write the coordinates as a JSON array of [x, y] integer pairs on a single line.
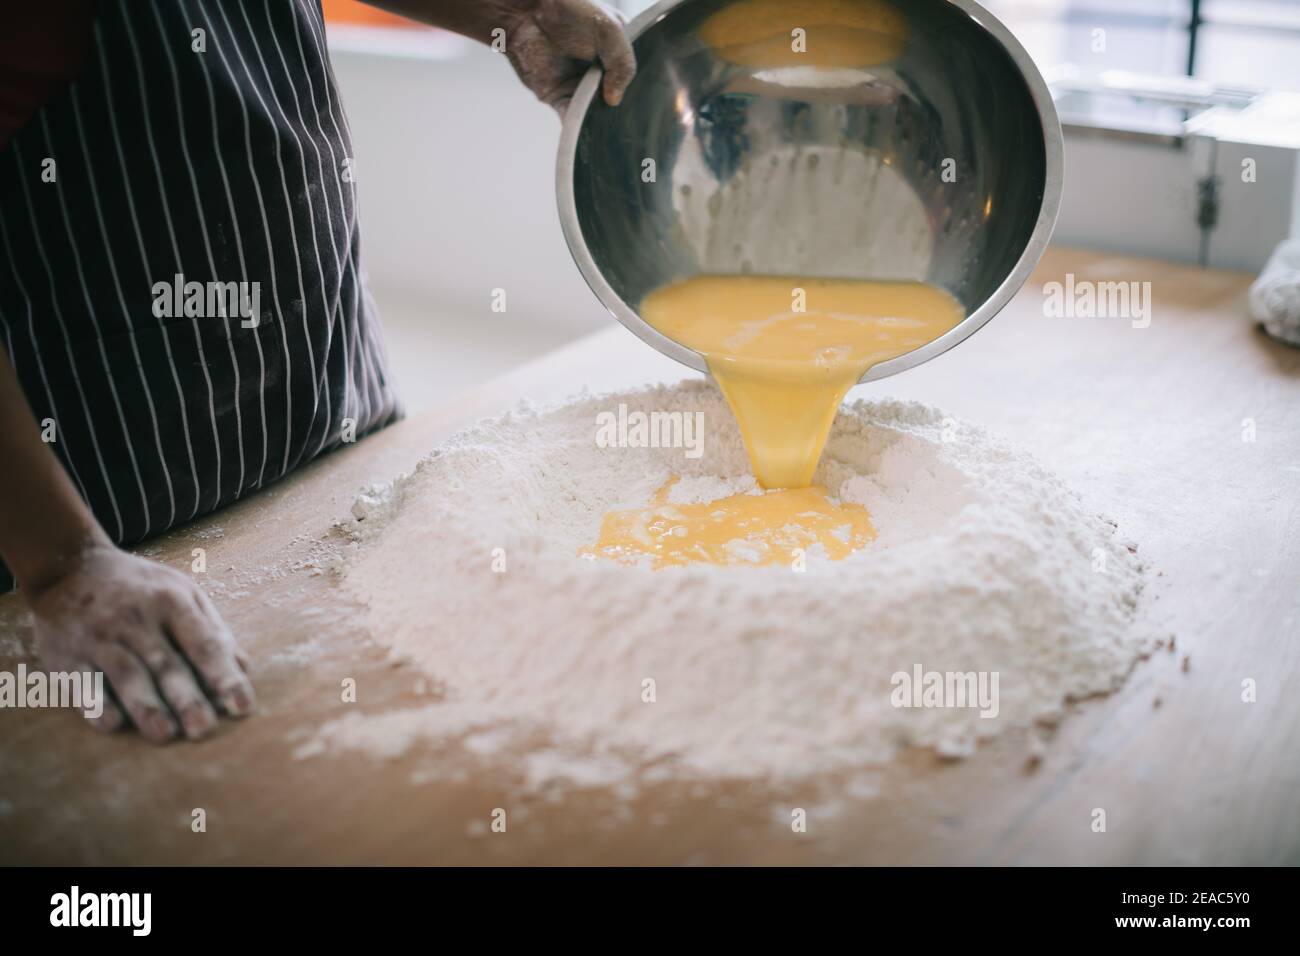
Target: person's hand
[[163, 649], [551, 44]]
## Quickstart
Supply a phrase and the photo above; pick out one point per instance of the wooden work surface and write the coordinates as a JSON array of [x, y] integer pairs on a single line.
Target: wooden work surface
[[1147, 423]]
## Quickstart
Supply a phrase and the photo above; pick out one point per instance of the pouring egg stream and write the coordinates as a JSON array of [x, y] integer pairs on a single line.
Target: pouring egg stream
[[784, 351]]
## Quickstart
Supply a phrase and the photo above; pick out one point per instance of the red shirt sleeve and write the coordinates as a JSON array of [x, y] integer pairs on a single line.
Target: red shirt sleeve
[[43, 47]]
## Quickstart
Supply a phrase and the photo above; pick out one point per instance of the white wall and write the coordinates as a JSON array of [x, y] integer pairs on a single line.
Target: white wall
[[1141, 198], [456, 166]]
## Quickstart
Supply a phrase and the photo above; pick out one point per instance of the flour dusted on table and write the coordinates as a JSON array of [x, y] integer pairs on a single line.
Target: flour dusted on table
[[984, 563]]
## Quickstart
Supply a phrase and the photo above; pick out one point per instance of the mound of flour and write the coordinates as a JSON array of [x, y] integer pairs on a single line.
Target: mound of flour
[[985, 562]]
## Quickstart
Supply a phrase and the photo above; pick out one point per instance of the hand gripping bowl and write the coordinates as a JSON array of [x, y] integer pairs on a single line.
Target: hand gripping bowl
[[860, 139]]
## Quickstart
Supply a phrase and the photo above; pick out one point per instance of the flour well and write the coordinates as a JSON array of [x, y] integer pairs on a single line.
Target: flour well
[[984, 562]]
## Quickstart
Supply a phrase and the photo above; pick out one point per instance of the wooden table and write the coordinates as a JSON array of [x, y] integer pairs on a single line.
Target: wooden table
[[1148, 423]]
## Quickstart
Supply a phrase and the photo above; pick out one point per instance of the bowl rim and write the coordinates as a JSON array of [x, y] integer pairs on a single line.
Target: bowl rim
[[1054, 174]]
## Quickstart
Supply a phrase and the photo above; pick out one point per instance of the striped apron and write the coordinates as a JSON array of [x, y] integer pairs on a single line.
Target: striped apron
[[181, 292]]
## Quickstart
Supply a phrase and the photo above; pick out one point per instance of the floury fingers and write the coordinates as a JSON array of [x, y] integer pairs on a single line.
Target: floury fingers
[[79, 690]]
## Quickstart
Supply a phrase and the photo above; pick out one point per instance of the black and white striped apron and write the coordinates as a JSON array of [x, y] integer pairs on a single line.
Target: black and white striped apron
[[205, 140]]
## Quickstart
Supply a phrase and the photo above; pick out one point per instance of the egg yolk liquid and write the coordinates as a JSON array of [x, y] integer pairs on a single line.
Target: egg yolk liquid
[[764, 528], [784, 351], [835, 33]]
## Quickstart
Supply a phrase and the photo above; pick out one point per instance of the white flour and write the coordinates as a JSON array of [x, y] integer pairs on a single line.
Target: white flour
[[984, 563]]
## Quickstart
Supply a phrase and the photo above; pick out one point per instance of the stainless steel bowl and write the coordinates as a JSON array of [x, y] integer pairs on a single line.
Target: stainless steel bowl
[[942, 164]]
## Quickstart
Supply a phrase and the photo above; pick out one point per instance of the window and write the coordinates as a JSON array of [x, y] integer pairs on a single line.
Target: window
[[1250, 43], [1254, 42]]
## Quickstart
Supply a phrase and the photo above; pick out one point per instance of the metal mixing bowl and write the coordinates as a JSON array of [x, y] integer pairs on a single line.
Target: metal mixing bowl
[[941, 164]]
